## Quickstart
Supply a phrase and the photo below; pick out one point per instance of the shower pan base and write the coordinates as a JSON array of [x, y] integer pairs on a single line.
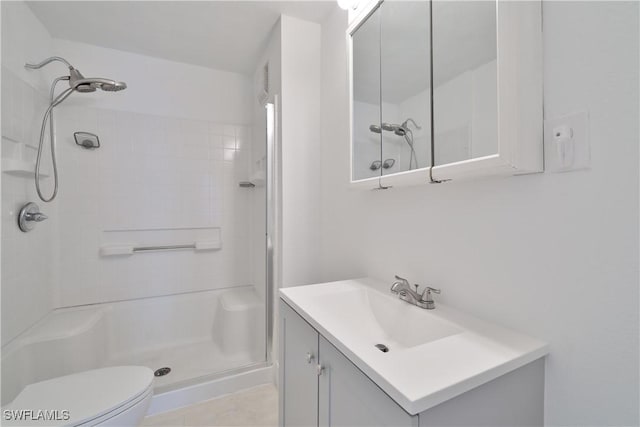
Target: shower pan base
[[202, 336]]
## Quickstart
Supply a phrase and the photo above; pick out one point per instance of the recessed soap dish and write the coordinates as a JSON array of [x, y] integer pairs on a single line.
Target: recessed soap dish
[[87, 140]]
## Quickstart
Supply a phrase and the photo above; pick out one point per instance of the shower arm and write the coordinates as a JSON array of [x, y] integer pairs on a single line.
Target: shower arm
[[48, 61]]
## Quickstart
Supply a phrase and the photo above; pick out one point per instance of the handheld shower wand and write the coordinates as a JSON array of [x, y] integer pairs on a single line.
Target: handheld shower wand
[[404, 131], [79, 83]]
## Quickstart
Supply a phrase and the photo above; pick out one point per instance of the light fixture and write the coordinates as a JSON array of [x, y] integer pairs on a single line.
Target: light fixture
[[348, 4]]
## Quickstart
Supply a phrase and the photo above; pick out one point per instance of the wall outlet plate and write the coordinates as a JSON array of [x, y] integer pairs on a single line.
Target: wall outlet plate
[[566, 143]]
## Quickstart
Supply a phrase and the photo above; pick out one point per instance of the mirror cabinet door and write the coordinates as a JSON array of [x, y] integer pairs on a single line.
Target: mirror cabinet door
[[405, 86], [366, 134], [465, 102]]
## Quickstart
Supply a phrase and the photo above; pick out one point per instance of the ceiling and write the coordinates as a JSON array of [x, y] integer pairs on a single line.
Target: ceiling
[[225, 35]]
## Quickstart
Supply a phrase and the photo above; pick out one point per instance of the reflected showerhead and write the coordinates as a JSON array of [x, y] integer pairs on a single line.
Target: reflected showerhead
[[399, 130], [389, 127]]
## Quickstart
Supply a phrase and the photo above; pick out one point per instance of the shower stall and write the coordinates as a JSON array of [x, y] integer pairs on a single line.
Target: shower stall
[[155, 246]]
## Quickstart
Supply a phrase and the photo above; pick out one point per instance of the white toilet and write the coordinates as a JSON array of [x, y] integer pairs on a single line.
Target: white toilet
[[116, 396]]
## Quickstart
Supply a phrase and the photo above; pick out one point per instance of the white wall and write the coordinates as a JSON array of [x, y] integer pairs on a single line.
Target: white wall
[[161, 87], [551, 255], [300, 150], [26, 257]]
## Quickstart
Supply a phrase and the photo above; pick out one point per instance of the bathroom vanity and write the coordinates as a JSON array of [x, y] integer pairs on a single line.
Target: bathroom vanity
[[353, 355]]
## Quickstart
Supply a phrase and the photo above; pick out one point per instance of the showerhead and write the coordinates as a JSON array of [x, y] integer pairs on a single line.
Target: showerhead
[[389, 126], [93, 83], [114, 87], [399, 130], [77, 83], [375, 129]]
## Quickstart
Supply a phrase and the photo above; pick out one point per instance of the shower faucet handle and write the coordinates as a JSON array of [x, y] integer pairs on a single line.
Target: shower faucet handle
[[35, 216], [29, 215]]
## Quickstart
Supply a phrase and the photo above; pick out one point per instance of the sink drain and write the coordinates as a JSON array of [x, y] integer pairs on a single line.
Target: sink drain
[[162, 372], [383, 348]]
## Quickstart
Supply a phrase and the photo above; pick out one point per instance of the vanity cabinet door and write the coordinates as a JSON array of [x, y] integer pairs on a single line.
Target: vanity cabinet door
[[347, 397], [298, 370]]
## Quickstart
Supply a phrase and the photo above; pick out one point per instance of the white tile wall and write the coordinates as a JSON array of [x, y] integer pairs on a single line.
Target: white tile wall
[[26, 257], [150, 172], [155, 169]]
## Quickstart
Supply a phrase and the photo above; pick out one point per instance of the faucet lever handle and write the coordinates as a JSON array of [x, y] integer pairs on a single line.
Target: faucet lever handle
[[426, 294], [402, 279]]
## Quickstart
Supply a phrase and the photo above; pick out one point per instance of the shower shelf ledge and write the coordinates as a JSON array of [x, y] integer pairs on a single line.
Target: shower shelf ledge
[[20, 168]]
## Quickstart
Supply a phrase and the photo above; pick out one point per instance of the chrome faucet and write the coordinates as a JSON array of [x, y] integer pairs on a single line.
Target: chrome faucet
[[402, 287]]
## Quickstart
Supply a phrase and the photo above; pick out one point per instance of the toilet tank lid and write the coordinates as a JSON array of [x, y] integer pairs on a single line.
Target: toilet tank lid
[[86, 395]]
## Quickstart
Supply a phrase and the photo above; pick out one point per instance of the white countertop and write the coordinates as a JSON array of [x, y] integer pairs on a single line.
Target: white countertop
[[434, 355]]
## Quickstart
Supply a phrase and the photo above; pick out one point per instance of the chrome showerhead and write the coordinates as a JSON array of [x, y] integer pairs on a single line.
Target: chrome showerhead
[[80, 83], [114, 87], [77, 81], [93, 83]]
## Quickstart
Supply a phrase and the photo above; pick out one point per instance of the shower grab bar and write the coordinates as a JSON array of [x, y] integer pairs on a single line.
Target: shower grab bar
[[114, 250], [163, 247]]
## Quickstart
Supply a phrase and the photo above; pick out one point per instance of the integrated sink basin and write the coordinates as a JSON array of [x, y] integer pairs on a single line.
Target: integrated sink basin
[[379, 319], [419, 357]]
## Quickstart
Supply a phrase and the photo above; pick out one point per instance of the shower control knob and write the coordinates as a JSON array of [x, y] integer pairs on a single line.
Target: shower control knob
[[29, 215], [37, 217]]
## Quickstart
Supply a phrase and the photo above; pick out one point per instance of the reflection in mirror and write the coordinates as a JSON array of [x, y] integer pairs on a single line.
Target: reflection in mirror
[[405, 82], [465, 80], [366, 132]]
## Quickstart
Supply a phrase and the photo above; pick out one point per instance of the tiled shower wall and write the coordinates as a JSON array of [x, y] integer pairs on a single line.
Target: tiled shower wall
[[26, 258], [172, 155], [154, 180]]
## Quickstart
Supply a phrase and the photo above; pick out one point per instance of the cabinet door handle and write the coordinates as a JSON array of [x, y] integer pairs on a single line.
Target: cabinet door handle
[[319, 369], [310, 357]]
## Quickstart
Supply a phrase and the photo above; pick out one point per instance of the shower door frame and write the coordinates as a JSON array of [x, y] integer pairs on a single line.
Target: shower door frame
[[271, 222]]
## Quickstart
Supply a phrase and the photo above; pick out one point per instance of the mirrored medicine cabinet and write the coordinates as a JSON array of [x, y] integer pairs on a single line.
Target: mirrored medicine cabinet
[[442, 90]]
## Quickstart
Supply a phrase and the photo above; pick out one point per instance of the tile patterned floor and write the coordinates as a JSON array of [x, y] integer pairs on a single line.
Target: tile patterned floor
[[256, 406]]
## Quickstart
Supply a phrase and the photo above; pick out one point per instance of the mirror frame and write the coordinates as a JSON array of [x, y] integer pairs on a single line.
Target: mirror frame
[[368, 10], [520, 141], [404, 178], [520, 116]]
